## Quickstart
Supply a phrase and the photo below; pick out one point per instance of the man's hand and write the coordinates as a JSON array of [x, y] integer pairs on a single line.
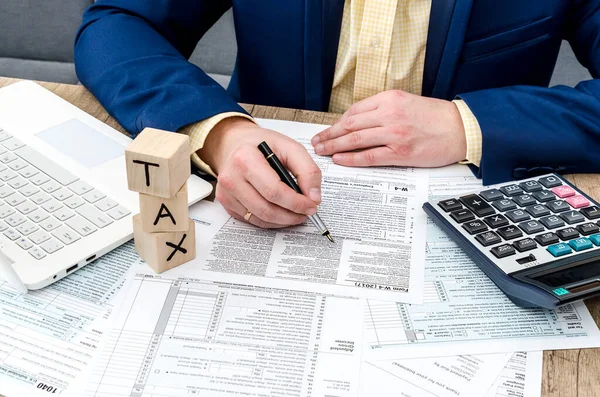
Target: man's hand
[[246, 182], [395, 128]]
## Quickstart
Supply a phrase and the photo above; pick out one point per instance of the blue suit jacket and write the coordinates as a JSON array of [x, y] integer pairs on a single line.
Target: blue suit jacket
[[498, 56]]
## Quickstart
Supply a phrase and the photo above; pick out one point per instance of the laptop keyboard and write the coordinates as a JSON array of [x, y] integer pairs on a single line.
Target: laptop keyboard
[[44, 207]]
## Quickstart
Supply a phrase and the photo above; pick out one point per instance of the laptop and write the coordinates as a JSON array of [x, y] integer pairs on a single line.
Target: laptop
[[64, 200]]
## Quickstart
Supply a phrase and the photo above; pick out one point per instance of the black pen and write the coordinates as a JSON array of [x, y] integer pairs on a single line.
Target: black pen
[[288, 180]]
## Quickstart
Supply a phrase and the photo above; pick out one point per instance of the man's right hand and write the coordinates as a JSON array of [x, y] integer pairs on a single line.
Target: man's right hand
[[246, 181]]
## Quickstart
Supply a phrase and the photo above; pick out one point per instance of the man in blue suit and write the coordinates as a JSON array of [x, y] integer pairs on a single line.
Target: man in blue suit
[[420, 83]]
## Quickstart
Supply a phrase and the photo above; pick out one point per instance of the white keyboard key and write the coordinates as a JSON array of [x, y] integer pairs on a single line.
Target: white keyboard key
[[62, 194], [52, 205], [80, 187], [18, 182], [6, 211], [72, 202], [15, 199], [38, 215], [15, 219], [39, 237], [7, 157], [46, 165], [24, 243], [50, 224], [63, 214], [51, 246], [29, 190], [12, 234], [6, 191], [2, 150], [37, 253], [2, 167], [93, 196], [93, 215], [4, 136], [39, 179], [106, 204], [66, 235], [40, 198], [118, 213], [27, 228], [26, 207], [12, 144], [17, 165], [3, 226], [81, 226], [50, 186], [7, 175], [29, 171]]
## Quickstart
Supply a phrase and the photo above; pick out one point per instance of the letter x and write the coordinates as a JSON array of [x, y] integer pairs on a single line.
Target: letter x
[[176, 247]]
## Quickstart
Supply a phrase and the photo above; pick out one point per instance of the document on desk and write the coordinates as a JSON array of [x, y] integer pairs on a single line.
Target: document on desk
[[49, 337], [374, 215], [175, 337], [521, 377], [463, 311]]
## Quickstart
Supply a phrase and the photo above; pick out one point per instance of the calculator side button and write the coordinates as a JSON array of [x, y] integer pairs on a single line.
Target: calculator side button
[[592, 212], [550, 181], [567, 233], [489, 238], [503, 251], [531, 227], [463, 215], [450, 205], [476, 204], [510, 232], [511, 190], [531, 186], [552, 222], [474, 227], [559, 249], [572, 217], [491, 194], [544, 196], [547, 239], [504, 205], [588, 228], [581, 244], [525, 245], [495, 221]]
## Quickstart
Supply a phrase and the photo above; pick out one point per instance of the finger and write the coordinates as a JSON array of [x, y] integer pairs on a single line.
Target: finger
[[297, 160], [382, 155], [266, 181], [347, 124], [238, 211], [362, 139]]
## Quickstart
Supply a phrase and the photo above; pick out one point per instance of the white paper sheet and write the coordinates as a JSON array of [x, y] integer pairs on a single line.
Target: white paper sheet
[[49, 337], [209, 217], [195, 337], [521, 377], [374, 214], [464, 312]]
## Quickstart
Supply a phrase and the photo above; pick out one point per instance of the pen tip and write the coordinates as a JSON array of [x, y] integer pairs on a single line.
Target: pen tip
[[329, 237]]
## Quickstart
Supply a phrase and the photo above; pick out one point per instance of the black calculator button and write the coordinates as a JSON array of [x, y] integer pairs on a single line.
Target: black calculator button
[[488, 238], [550, 181], [567, 233], [510, 232], [504, 205], [588, 228], [552, 222], [531, 227], [512, 190], [517, 215], [497, 220], [461, 216], [525, 245], [547, 239], [531, 186], [524, 200], [538, 210], [544, 195], [592, 212], [450, 205], [503, 251], [572, 217], [492, 194], [476, 226], [558, 206], [477, 205]]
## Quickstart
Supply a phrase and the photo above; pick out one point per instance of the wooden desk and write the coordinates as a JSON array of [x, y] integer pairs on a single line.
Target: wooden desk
[[567, 373]]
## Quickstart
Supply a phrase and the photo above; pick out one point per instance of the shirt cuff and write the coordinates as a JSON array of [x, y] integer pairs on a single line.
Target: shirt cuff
[[197, 132], [472, 133]]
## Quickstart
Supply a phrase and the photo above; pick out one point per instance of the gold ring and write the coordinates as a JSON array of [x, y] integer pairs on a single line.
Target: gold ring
[[247, 216]]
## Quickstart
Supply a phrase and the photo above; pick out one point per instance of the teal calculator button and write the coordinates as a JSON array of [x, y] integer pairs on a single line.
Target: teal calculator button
[[580, 244], [595, 238], [560, 291], [559, 249]]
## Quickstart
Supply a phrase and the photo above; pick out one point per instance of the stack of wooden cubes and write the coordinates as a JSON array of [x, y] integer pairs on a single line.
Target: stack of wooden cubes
[[158, 167]]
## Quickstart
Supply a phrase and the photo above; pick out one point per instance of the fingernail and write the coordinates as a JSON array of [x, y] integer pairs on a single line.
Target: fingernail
[[315, 194], [319, 148], [311, 211], [315, 140]]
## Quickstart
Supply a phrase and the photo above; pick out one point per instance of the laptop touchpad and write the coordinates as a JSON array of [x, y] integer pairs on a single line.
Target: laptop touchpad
[[84, 144]]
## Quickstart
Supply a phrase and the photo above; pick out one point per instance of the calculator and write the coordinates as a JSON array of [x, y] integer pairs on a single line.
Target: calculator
[[537, 239]]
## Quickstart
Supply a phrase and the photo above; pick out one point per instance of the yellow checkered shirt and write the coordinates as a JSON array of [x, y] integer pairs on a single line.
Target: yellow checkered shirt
[[382, 47]]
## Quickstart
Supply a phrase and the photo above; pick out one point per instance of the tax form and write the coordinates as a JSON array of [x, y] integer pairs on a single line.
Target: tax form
[[521, 377], [373, 214], [180, 337], [49, 337], [463, 311]]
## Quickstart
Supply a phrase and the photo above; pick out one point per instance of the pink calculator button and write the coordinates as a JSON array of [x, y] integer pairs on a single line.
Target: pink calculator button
[[578, 201], [563, 191]]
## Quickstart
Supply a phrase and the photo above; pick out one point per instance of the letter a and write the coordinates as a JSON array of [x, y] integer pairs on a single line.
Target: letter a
[[165, 215]]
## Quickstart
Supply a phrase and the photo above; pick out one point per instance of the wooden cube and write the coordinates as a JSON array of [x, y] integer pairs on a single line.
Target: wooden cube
[[165, 215], [164, 251], [158, 162]]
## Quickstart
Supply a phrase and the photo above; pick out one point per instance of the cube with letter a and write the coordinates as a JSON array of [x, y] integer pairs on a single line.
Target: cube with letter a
[[158, 162], [165, 215]]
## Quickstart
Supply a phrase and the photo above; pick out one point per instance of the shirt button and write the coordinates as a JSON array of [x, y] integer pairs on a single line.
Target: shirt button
[[375, 41]]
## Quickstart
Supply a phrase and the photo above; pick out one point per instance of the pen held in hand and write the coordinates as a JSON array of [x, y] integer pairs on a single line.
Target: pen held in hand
[[286, 178]]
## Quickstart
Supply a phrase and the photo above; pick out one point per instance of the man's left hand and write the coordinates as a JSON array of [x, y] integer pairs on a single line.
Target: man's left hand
[[395, 128]]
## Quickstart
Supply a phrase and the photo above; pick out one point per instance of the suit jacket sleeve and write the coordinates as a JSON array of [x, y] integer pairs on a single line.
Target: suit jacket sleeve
[[132, 55], [532, 130]]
